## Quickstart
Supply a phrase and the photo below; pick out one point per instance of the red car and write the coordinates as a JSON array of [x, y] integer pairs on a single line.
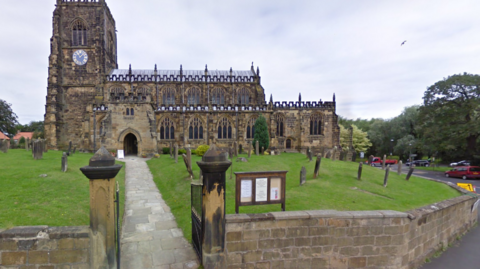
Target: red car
[[378, 161], [465, 172]]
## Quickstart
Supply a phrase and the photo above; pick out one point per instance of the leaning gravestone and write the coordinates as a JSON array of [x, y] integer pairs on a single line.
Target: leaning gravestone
[[256, 148], [370, 160], [235, 146], [384, 161], [399, 167], [188, 165], [249, 149], [410, 172], [64, 162], [175, 152], [303, 175], [385, 179], [189, 156], [359, 175], [317, 166]]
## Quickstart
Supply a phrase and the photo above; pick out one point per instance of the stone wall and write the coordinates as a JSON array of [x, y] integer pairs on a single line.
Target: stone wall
[[45, 247], [349, 239]]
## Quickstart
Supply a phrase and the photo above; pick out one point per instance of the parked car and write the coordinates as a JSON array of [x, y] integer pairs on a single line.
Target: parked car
[[425, 163], [465, 172], [461, 163], [378, 161]]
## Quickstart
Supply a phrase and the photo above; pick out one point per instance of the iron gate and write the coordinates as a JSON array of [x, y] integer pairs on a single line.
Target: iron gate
[[196, 199]]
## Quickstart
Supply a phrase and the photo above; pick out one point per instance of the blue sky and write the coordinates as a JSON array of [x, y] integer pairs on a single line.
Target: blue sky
[[318, 48]]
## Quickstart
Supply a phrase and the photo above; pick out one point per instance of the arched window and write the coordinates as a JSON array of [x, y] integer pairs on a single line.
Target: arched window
[[117, 93], [128, 111], [279, 119], [224, 129], [169, 96], [218, 96], [79, 33], [193, 97], [131, 111], [315, 124], [243, 96], [167, 131], [251, 128], [195, 130]]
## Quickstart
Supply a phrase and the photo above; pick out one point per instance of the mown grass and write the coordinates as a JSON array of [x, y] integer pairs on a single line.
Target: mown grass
[[333, 189], [60, 199]]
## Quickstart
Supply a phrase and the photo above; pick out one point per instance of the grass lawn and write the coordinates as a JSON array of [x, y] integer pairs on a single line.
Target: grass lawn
[[60, 199], [334, 189]]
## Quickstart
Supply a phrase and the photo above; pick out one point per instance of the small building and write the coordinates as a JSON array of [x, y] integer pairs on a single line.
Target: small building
[[3, 136], [25, 135]]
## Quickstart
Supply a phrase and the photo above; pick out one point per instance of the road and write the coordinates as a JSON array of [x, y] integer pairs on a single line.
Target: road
[[463, 254]]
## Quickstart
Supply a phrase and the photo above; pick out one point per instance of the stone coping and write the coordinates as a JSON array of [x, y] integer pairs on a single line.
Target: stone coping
[[45, 232]]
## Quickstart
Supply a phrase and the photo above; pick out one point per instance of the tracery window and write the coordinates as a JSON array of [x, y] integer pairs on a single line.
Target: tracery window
[[251, 128], [280, 119], [128, 111], [195, 130], [193, 97], [131, 111], [315, 124], [218, 96], [224, 129], [169, 96], [243, 96], [167, 131], [79, 33]]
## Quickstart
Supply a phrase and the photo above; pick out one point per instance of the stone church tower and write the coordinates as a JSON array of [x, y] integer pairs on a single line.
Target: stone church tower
[[93, 103]]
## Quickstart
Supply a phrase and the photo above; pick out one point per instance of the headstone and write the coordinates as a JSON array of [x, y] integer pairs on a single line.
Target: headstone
[[399, 167], [360, 167], [272, 152], [171, 149], [410, 172], [317, 166], [242, 159], [303, 175], [69, 148], [256, 148], [370, 160], [37, 150], [188, 165], [354, 156], [240, 149], [249, 149], [309, 154], [385, 179], [263, 151], [27, 141], [175, 152], [64, 162], [189, 156], [235, 147], [44, 145], [334, 153], [329, 154], [384, 161], [342, 155], [75, 149]]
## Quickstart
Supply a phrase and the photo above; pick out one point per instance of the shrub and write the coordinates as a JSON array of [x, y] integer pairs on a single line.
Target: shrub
[[22, 140], [166, 150], [261, 133], [194, 151], [156, 155], [182, 151], [202, 149], [266, 153]]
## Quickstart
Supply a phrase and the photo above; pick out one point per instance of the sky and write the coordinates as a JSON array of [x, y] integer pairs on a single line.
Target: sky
[[317, 48]]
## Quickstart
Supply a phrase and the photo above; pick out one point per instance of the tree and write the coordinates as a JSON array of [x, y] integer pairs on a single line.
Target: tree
[[451, 115], [8, 119], [261, 133], [360, 140]]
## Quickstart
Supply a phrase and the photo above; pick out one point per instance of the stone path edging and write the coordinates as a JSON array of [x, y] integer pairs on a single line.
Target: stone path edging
[[150, 235]]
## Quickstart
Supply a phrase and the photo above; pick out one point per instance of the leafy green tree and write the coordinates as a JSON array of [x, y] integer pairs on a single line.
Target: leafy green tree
[[360, 140], [8, 119], [451, 116], [261, 133]]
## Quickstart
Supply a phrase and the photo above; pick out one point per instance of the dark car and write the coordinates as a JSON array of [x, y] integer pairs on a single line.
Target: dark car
[[425, 163], [461, 163], [465, 172]]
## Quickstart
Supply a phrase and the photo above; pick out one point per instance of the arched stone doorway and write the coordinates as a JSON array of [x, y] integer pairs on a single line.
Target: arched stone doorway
[[288, 143], [130, 144]]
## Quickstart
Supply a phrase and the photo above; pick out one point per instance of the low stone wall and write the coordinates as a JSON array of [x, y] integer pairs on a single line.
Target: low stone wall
[[345, 239], [45, 247]]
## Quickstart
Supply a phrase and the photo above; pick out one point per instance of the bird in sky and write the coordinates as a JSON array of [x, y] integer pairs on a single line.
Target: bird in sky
[[403, 43]]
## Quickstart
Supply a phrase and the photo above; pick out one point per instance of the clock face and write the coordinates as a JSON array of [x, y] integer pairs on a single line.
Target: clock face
[[80, 57]]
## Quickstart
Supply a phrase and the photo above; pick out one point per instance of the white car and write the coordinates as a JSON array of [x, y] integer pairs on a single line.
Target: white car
[[461, 163]]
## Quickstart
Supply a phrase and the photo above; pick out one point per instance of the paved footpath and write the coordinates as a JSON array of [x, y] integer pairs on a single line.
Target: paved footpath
[[150, 236]]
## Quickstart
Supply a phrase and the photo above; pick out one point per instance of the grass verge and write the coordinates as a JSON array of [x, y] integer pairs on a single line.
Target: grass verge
[[334, 189], [59, 199]]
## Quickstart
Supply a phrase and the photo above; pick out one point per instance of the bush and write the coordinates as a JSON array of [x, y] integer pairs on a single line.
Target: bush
[[202, 149], [166, 150], [261, 133], [194, 151], [156, 155], [182, 151]]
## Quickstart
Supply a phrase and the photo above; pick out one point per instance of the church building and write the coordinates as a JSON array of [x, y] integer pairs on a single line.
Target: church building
[[93, 103]]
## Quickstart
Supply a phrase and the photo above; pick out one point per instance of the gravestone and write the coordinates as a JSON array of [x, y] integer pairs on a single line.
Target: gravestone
[[189, 156], [354, 156], [175, 152], [188, 165], [410, 172], [303, 175], [334, 153], [256, 148], [342, 155], [272, 152], [399, 167], [263, 151], [385, 179], [69, 148], [27, 142], [242, 159], [383, 162], [370, 160], [3, 143], [171, 150], [249, 149], [75, 149], [64, 162], [329, 154], [310, 157], [37, 150], [240, 149], [235, 147], [44, 145], [317, 165], [360, 167]]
